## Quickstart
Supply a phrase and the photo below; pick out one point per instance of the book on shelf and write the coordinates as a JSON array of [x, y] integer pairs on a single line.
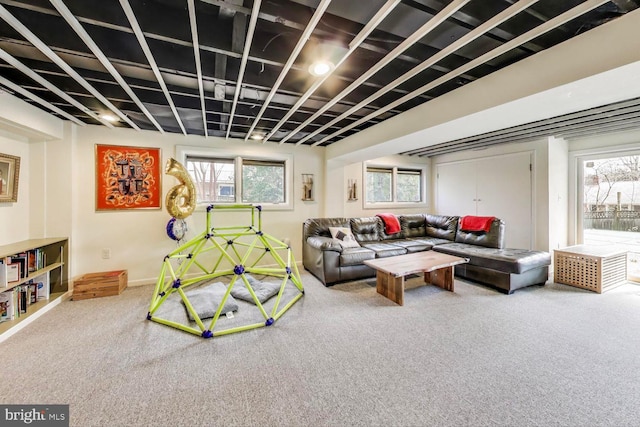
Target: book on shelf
[[42, 290], [32, 263], [6, 306], [13, 272], [3, 273], [23, 298], [33, 293], [21, 259]]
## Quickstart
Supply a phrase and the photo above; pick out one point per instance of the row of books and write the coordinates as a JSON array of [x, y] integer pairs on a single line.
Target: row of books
[[14, 303], [16, 267]]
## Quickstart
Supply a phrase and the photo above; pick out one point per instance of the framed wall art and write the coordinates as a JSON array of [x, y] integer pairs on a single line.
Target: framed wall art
[[127, 177], [9, 176]]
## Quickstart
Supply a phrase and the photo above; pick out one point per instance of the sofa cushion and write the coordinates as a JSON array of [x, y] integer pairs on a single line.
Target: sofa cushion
[[324, 243], [356, 256], [431, 241], [320, 226], [413, 225], [494, 238], [368, 229], [384, 250], [441, 226], [504, 260], [344, 237], [411, 245]]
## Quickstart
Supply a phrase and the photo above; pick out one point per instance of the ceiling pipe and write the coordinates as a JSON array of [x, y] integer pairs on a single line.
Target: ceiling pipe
[[45, 83], [382, 13], [152, 62], [86, 38], [429, 26], [196, 54], [243, 63], [529, 35], [322, 7], [34, 40], [40, 101], [453, 47]]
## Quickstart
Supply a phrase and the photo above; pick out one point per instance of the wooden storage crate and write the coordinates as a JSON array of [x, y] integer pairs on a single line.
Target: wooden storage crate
[[596, 268], [104, 284]]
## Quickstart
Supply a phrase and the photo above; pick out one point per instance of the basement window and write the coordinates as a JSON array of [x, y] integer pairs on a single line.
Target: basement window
[[394, 186], [220, 177]]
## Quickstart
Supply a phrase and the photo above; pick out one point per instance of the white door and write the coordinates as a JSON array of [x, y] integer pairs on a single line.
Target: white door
[[456, 189], [497, 186], [504, 191]]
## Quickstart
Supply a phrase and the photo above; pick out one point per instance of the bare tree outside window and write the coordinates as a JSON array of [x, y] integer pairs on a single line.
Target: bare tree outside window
[[611, 194], [209, 175], [611, 210]]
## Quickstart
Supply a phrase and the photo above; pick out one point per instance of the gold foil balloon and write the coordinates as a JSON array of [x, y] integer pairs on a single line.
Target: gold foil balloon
[[181, 199]]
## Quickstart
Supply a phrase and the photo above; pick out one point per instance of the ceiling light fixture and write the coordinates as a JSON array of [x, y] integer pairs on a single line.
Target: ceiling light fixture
[[109, 118], [257, 136], [320, 68]]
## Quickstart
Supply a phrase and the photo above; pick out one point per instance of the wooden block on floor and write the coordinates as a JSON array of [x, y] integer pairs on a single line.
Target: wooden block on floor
[[103, 284]]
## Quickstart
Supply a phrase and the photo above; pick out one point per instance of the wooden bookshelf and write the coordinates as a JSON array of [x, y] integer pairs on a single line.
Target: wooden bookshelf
[[54, 269]]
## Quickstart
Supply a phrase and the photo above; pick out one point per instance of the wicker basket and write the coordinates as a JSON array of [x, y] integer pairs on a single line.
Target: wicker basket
[[594, 268]]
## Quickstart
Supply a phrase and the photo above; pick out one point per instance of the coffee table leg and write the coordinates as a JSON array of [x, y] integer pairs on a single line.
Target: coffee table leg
[[390, 286], [442, 277]]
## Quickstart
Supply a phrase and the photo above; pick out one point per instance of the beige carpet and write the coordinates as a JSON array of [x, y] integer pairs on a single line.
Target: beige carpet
[[544, 356]]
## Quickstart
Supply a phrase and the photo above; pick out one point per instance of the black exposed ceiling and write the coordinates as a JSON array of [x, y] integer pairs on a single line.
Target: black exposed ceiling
[[241, 66]]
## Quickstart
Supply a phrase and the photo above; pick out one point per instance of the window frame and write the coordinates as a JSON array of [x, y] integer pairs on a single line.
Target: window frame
[[394, 168], [182, 152]]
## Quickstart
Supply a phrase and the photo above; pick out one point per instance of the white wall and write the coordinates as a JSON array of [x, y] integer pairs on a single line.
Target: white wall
[[137, 238], [338, 194], [14, 217], [540, 149], [558, 193]]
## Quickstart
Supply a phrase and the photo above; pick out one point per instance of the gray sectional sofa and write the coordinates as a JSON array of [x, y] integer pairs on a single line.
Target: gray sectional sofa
[[489, 263]]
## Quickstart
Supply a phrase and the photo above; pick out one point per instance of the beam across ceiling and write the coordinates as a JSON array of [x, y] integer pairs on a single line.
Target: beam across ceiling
[[425, 29], [50, 86], [243, 62], [34, 40], [458, 44], [196, 54], [353, 45], [304, 37], [8, 84], [135, 26], [494, 53], [91, 44]]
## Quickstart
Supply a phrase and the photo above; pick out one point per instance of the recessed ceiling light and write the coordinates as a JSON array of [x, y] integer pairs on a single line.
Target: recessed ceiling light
[[320, 68], [257, 136], [109, 118]]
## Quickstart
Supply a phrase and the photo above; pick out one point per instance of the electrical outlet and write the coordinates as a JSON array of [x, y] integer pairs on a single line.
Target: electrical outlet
[[106, 253]]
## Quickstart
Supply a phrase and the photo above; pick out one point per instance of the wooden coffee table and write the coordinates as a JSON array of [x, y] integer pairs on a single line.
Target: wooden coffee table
[[391, 271]]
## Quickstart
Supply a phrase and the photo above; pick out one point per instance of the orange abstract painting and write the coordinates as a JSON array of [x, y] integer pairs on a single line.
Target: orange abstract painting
[[127, 177]]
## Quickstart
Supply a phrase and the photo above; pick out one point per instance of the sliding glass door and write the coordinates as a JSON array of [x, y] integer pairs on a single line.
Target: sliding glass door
[[611, 204]]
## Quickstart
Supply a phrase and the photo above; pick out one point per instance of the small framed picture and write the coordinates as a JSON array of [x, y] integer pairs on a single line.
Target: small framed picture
[[9, 176], [127, 177]]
